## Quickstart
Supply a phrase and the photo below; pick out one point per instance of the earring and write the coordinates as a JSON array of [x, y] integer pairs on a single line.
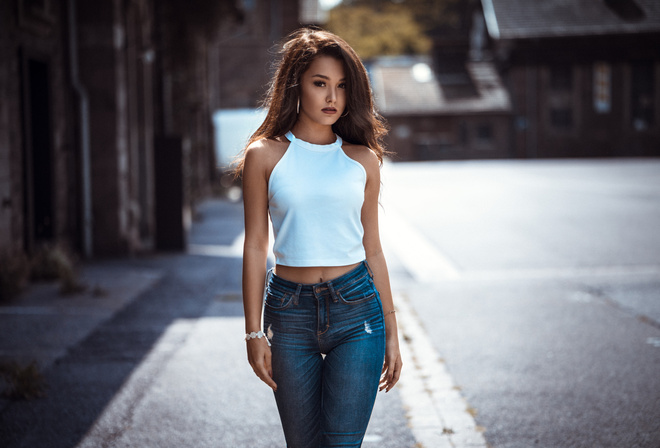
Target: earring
[[298, 106], [344, 115]]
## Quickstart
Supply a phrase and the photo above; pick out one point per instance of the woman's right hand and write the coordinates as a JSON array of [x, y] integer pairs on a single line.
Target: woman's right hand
[[259, 356]]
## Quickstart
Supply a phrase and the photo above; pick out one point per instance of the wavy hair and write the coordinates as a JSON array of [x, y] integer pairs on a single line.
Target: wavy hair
[[363, 125]]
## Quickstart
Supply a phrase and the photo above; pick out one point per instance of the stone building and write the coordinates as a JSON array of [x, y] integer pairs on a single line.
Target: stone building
[[247, 51], [106, 140], [37, 135]]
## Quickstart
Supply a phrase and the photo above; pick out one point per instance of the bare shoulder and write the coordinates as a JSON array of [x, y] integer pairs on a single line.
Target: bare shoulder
[[363, 155], [265, 153]]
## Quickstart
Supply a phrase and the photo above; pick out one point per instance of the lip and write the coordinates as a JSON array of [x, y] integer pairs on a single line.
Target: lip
[[329, 110]]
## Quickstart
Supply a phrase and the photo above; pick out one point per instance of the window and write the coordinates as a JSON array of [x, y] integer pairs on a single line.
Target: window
[[642, 96], [602, 87], [484, 132]]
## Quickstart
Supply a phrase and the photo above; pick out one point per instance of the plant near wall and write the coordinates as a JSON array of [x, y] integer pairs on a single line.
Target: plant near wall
[[56, 263], [14, 275], [22, 382]]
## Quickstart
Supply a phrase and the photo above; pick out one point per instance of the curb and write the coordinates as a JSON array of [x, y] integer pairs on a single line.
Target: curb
[[438, 415]]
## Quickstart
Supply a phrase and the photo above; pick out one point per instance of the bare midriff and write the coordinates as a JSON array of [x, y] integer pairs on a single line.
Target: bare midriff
[[314, 274]]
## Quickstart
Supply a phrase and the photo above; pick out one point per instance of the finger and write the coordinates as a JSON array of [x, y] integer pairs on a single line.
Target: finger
[[384, 379], [383, 371], [396, 374], [262, 365], [391, 377], [264, 376]]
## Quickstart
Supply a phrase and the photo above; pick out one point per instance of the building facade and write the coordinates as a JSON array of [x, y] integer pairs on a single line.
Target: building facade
[[106, 139], [584, 76], [37, 136], [442, 115]]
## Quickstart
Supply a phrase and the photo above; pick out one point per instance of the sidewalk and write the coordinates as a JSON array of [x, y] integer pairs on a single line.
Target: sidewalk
[[43, 324], [158, 360]]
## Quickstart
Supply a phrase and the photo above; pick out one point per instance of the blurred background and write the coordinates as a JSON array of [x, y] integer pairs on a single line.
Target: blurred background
[[521, 212], [118, 116]]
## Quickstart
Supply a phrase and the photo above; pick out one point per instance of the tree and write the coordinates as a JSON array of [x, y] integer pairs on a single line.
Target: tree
[[433, 16], [390, 30]]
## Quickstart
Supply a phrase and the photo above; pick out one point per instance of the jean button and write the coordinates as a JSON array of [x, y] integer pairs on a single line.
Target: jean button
[[317, 290]]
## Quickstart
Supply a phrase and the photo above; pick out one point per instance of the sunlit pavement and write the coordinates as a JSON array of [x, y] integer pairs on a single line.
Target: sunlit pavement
[[538, 283], [166, 367], [528, 295]]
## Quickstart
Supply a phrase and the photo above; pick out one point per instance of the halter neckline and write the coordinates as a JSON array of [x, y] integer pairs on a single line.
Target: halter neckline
[[313, 146]]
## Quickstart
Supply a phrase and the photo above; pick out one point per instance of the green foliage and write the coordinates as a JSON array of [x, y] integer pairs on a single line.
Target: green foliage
[[432, 16], [391, 30], [55, 263], [23, 382]]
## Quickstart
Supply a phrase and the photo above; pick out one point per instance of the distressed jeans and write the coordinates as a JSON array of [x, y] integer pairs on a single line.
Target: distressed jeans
[[328, 346]]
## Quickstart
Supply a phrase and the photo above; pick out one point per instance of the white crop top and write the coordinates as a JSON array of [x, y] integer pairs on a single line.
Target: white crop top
[[315, 197]]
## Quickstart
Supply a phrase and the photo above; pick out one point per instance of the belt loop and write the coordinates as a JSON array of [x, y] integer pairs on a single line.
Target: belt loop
[[333, 294], [296, 295], [371, 273]]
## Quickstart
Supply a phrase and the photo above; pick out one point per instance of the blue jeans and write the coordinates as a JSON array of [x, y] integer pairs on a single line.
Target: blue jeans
[[328, 346]]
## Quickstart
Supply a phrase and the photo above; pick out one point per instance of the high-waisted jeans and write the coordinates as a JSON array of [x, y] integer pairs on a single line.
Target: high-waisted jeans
[[328, 346]]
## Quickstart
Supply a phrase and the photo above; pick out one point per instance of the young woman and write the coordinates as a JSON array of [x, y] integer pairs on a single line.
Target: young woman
[[329, 337]]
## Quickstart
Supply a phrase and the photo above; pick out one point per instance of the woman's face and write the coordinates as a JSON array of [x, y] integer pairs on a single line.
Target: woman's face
[[323, 91]]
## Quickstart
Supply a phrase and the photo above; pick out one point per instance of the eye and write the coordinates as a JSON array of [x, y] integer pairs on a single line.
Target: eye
[[342, 85], [319, 83]]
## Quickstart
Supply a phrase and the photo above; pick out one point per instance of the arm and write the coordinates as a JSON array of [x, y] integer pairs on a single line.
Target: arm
[[255, 253], [376, 260]]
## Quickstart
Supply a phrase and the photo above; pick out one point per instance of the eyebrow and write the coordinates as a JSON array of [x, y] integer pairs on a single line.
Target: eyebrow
[[325, 77]]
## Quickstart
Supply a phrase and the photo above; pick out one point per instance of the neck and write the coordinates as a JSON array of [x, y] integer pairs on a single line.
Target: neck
[[313, 133]]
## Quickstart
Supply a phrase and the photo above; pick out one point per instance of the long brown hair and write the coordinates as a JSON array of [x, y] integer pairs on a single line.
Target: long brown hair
[[362, 126]]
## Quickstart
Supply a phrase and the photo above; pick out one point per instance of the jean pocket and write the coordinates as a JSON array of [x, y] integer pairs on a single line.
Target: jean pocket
[[279, 301], [358, 293]]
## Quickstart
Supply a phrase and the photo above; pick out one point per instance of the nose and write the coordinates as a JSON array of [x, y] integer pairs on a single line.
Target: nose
[[332, 96]]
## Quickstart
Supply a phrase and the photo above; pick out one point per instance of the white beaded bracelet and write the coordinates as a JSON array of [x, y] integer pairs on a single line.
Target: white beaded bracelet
[[256, 335]]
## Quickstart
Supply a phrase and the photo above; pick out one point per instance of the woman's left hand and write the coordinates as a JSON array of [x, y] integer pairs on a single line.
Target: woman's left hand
[[392, 366]]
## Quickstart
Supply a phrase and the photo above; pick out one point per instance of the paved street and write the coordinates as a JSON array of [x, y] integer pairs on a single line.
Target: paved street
[[166, 367], [528, 295], [539, 284]]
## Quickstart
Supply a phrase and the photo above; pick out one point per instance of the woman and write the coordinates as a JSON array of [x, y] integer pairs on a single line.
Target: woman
[[329, 337]]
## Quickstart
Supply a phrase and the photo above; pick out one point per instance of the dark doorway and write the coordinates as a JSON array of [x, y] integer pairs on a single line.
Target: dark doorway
[[37, 154]]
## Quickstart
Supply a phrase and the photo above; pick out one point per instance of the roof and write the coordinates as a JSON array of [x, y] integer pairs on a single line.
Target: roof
[[519, 19], [408, 86]]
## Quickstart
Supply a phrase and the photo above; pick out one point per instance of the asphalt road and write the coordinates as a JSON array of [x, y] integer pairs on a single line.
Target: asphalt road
[[538, 282]]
